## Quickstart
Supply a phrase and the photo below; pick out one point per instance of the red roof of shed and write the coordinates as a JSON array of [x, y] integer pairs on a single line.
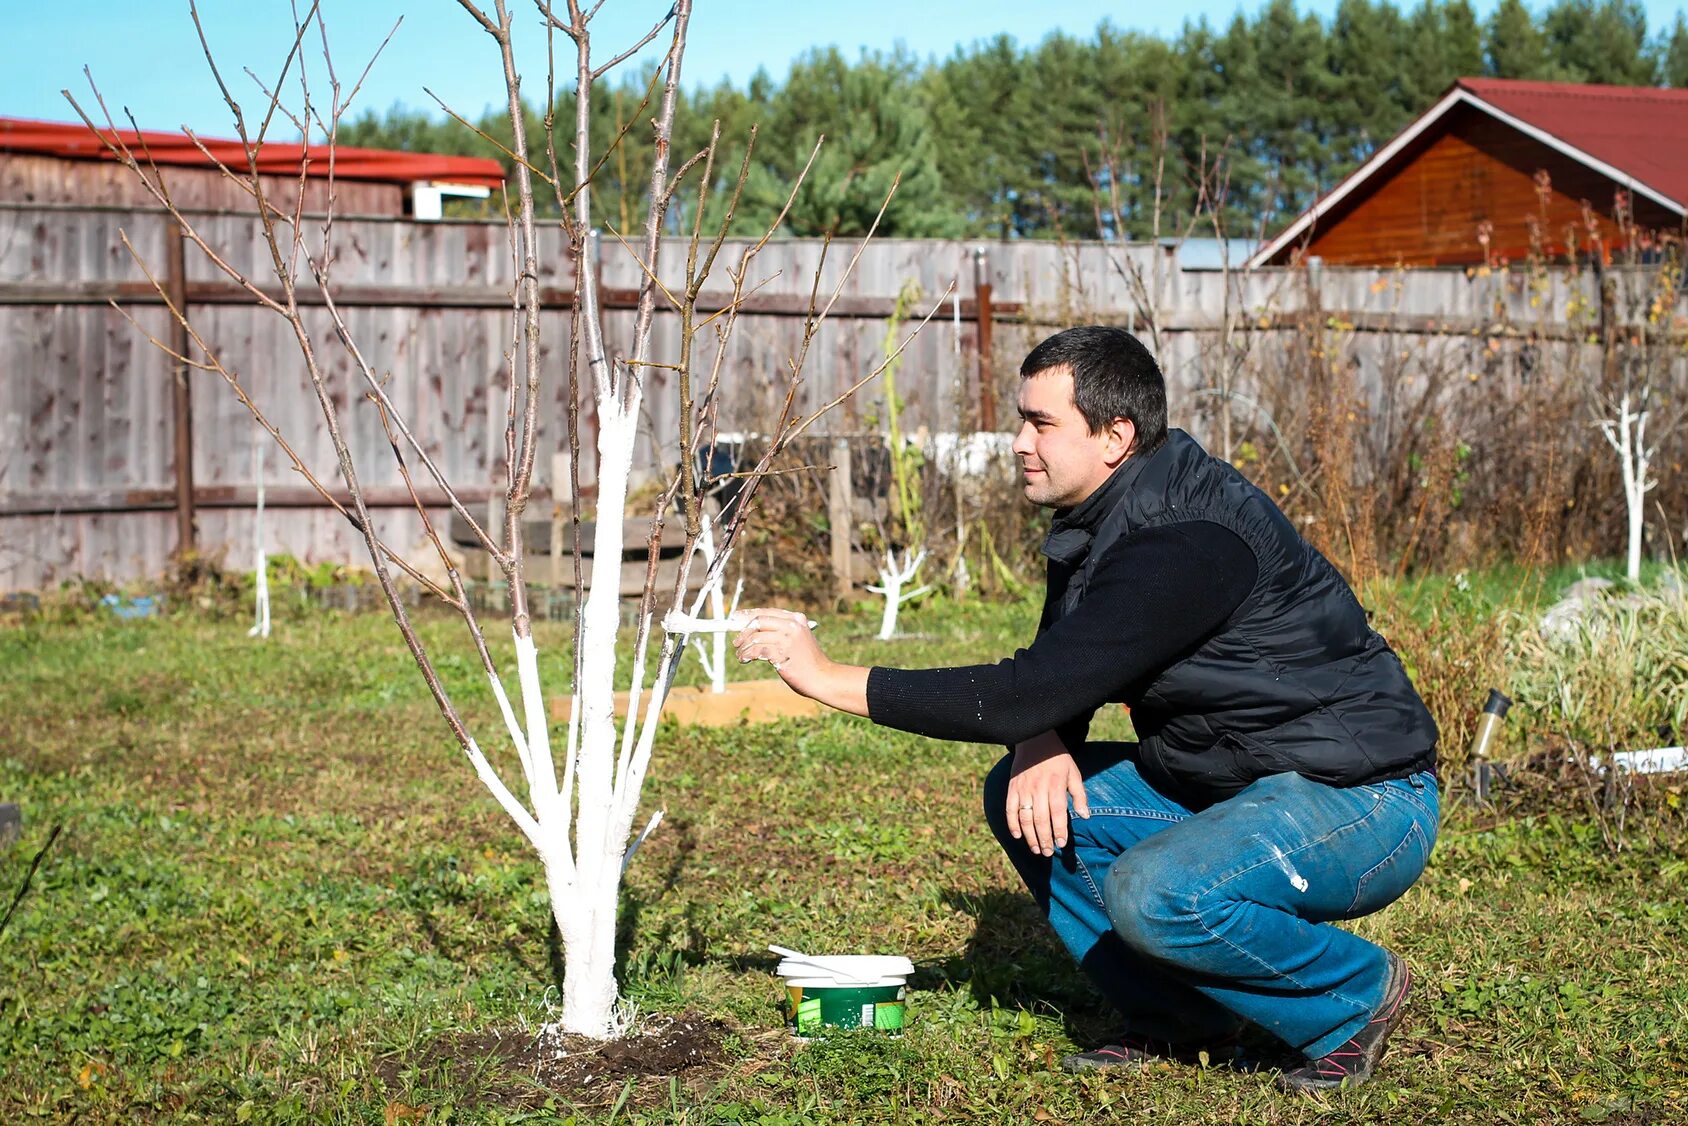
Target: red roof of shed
[[78, 142], [1637, 130]]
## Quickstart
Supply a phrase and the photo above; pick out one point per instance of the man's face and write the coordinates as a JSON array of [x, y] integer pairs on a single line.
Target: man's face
[[1062, 460]]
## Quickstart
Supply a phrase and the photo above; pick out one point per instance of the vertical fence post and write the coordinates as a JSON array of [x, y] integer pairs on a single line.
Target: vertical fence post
[[840, 513], [176, 285], [982, 310]]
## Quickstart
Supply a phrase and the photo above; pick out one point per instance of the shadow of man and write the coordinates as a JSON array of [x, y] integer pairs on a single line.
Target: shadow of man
[[1015, 961]]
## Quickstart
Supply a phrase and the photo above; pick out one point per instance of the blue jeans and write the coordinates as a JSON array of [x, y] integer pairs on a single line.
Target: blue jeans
[[1196, 924]]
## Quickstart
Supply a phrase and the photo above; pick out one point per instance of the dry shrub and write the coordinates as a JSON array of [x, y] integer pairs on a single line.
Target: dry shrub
[[1453, 647], [785, 552], [1399, 453], [1614, 679]]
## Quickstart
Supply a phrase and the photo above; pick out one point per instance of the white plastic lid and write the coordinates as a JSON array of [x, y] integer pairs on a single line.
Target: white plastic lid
[[847, 969]]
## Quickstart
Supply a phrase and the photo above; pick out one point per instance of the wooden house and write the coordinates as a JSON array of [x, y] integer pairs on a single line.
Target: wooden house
[[53, 163], [1498, 169]]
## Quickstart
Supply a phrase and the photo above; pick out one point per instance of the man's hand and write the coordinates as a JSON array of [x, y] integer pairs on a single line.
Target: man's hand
[[1043, 774], [785, 640]]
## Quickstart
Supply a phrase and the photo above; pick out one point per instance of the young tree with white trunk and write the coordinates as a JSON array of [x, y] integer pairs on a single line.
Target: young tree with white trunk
[[1626, 432], [1640, 295], [895, 579], [261, 562], [712, 657], [907, 523], [578, 795]]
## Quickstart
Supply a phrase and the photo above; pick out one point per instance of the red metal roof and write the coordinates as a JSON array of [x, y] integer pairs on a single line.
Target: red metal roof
[[1642, 132], [78, 142]]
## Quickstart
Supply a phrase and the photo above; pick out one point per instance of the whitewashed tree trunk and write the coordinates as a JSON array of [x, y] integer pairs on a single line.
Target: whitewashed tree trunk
[[1626, 433], [894, 576], [261, 575], [713, 658]]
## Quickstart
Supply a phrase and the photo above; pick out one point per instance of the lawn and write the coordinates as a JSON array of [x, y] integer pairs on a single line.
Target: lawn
[[280, 895]]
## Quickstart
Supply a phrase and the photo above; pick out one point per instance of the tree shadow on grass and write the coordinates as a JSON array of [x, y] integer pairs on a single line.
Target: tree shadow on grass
[[1014, 960]]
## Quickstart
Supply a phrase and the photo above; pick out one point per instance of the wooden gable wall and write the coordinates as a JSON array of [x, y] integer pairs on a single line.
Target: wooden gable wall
[[1430, 209]]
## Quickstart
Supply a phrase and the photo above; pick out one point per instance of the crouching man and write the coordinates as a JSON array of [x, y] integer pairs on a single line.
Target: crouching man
[[1284, 776]]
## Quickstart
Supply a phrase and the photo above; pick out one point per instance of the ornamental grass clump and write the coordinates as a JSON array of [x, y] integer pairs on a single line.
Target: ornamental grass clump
[[1615, 678]]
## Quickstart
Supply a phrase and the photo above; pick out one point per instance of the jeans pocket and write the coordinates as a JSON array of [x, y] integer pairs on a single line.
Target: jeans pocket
[[1387, 880]]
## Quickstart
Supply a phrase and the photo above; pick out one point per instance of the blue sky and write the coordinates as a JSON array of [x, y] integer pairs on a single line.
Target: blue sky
[[144, 54]]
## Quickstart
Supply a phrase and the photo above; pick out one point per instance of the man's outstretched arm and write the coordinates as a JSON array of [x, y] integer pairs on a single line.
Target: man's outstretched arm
[[1045, 772], [1156, 597]]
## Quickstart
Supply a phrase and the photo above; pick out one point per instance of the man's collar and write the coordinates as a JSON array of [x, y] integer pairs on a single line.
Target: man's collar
[[1073, 528]]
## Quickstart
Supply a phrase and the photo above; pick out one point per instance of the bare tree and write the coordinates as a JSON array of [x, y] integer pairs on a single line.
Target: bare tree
[[577, 814]]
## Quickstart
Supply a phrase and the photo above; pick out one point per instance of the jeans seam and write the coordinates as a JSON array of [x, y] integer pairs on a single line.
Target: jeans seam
[[1415, 830], [1131, 811], [1084, 870], [1412, 794]]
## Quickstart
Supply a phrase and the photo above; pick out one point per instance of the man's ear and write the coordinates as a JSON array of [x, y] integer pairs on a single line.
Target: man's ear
[[1122, 435]]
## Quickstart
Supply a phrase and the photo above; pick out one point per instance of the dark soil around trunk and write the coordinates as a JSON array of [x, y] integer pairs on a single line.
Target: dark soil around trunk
[[519, 1069]]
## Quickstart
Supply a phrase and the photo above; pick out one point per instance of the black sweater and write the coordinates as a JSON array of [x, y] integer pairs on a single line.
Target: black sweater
[[1155, 597]]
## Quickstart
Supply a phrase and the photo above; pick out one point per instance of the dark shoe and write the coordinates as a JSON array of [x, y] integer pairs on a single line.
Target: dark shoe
[[1352, 1063]]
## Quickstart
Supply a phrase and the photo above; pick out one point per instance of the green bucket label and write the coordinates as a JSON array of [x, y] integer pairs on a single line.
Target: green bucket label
[[888, 1016], [809, 1014]]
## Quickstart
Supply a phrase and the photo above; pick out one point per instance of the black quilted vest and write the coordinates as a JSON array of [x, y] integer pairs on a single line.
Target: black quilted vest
[[1294, 681]]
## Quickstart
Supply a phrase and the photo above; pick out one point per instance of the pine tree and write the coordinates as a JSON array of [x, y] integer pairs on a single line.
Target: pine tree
[[1293, 85], [1446, 44], [1131, 163], [1514, 46], [1370, 100], [1601, 41], [1673, 55], [876, 129], [987, 87]]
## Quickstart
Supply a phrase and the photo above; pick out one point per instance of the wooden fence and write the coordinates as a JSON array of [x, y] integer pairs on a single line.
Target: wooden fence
[[113, 455]]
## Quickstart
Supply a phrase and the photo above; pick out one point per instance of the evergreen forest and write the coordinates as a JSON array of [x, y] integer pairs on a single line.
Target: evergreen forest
[[1115, 135]]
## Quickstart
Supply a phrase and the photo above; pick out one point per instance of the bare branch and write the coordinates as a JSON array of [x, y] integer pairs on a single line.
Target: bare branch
[[631, 51]]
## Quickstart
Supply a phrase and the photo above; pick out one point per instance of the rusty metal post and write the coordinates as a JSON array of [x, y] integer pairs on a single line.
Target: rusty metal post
[[840, 514], [176, 285], [982, 310], [1610, 368]]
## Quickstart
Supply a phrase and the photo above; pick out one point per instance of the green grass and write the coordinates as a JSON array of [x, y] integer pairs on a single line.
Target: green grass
[[280, 895]]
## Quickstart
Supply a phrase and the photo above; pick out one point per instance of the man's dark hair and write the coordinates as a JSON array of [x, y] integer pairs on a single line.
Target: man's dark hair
[[1113, 377]]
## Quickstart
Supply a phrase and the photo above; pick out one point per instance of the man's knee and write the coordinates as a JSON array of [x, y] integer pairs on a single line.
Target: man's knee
[[1148, 904]]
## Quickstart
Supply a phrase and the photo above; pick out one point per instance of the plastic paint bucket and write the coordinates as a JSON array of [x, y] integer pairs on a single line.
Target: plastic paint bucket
[[857, 993]]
